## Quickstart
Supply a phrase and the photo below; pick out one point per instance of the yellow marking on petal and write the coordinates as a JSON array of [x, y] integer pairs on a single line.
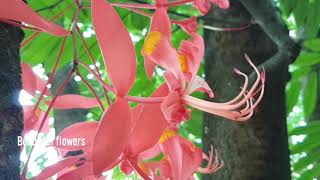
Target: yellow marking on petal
[[183, 62], [37, 112], [151, 41], [167, 134], [142, 167]]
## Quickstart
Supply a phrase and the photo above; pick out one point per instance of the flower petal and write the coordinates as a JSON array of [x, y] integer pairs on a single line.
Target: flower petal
[[203, 6], [149, 67], [55, 168], [161, 22], [149, 125], [223, 4], [173, 151], [78, 173], [72, 101], [112, 136], [32, 120], [32, 82], [199, 84], [193, 51], [17, 10], [83, 130], [116, 46]]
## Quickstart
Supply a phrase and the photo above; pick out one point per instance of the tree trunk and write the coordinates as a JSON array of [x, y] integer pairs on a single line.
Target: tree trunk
[[11, 120], [258, 148]]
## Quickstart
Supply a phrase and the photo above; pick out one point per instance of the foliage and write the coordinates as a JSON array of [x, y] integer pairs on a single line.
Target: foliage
[[303, 90]]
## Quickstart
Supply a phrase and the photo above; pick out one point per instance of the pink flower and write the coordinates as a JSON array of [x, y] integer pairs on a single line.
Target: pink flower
[[181, 159], [239, 109]]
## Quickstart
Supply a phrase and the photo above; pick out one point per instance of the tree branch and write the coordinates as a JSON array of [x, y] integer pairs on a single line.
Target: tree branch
[[267, 16], [50, 6]]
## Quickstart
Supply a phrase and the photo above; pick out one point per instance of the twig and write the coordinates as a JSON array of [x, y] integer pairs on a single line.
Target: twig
[[50, 6]]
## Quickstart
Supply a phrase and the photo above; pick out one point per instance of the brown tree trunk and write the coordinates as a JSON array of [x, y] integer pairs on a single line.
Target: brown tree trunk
[[256, 149], [11, 120]]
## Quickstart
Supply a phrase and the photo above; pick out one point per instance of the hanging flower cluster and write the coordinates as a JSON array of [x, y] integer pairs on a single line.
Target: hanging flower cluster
[[132, 137]]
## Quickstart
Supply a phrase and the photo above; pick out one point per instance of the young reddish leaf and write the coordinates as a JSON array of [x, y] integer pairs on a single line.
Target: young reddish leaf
[[55, 168], [81, 130], [149, 125], [71, 101], [116, 46], [112, 136], [32, 82], [17, 10]]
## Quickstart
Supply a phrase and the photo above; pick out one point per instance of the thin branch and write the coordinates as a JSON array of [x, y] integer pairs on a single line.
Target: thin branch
[[50, 6]]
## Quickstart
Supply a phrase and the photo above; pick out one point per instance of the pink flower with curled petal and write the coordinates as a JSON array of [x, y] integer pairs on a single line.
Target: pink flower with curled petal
[[239, 109]]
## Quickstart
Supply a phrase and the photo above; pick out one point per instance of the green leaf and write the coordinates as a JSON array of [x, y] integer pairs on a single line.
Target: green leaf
[[292, 94], [308, 144], [307, 59], [313, 44], [310, 94], [310, 128], [312, 173], [313, 19], [310, 158]]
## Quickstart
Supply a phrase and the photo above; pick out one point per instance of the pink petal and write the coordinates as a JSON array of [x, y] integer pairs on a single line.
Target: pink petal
[[161, 22], [173, 151], [149, 67], [112, 136], [173, 83], [17, 10], [150, 153], [31, 82], [192, 157], [126, 167], [163, 54], [199, 84], [203, 6], [189, 25], [32, 120], [193, 50], [78, 173], [173, 108], [116, 46], [149, 125], [163, 167], [53, 169], [83, 131], [223, 4], [72, 101]]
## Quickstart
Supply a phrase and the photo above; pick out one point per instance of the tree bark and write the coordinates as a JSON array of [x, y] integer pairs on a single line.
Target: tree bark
[[11, 119], [258, 148]]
